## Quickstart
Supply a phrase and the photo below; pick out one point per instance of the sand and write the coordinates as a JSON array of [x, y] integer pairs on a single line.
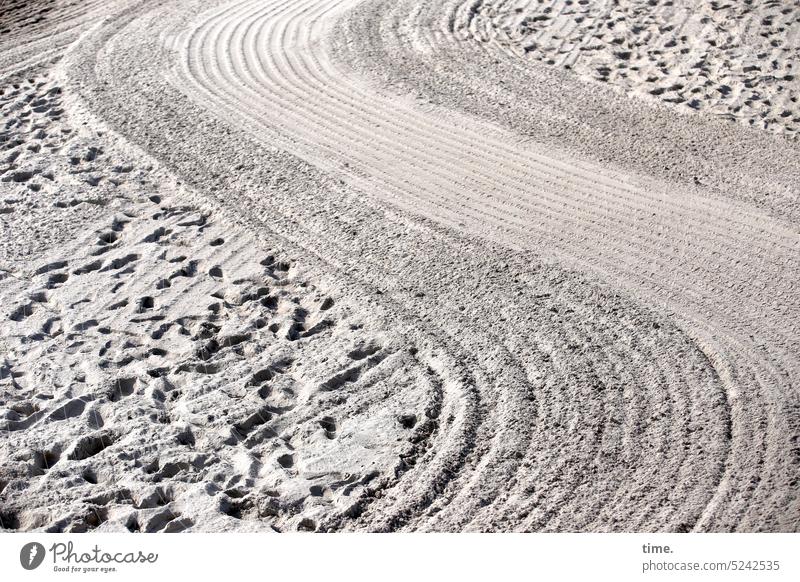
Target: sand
[[382, 266]]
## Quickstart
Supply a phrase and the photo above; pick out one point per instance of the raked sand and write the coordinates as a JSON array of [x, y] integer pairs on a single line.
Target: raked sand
[[429, 266]]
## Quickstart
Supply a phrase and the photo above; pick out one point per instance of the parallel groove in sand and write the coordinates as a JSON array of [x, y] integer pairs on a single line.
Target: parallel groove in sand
[[477, 475], [496, 460], [566, 476], [324, 99]]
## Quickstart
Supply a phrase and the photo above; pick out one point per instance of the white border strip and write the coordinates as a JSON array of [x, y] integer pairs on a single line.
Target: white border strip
[[356, 557]]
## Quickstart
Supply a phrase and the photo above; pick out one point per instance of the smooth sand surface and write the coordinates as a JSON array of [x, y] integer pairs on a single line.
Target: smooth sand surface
[[384, 265]]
